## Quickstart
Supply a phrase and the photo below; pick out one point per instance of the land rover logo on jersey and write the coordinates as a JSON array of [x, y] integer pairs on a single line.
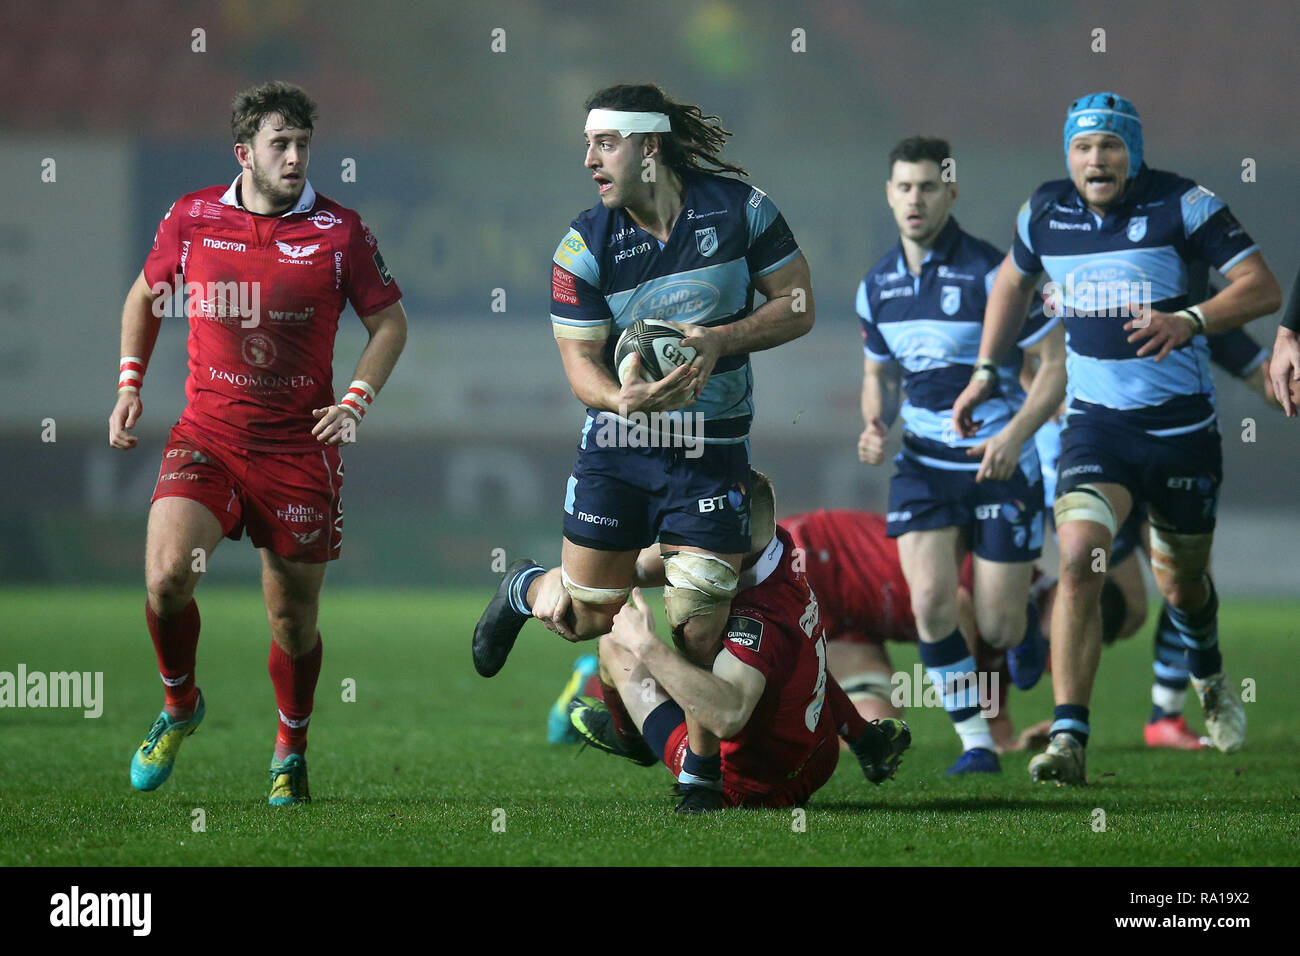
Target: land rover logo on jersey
[[950, 299], [296, 252], [681, 300], [258, 349], [1137, 228], [706, 240]]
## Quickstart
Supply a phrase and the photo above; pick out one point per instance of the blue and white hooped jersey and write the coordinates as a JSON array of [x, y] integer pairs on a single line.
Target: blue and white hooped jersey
[[1235, 351], [1154, 248], [931, 325], [608, 272]]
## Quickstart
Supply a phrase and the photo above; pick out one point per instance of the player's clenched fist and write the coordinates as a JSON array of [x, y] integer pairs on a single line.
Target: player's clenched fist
[[126, 413], [552, 605], [871, 443]]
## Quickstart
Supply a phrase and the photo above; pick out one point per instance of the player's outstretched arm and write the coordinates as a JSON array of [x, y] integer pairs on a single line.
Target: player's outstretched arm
[[881, 391], [595, 386], [1001, 453], [139, 334], [387, 329], [1004, 317], [787, 314], [721, 700]]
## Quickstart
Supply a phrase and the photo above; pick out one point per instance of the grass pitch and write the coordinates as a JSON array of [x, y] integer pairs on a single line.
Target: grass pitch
[[418, 769]]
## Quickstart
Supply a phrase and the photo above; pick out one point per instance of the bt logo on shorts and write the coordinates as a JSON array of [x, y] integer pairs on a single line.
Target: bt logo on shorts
[[1183, 484], [898, 516], [195, 456], [985, 512], [716, 503]]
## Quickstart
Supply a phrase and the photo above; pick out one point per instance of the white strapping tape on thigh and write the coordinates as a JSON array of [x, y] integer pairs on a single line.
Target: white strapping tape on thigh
[[593, 595], [1173, 552], [872, 685], [1085, 503], [697, 584]]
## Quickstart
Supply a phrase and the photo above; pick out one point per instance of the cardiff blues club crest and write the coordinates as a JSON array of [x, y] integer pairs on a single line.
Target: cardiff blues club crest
[[1137, 228], [706, 240], [950, 299]]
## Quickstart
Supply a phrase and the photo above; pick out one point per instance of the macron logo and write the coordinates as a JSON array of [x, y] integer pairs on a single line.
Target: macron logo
[[224, 244], [103, 909], [296, 252]]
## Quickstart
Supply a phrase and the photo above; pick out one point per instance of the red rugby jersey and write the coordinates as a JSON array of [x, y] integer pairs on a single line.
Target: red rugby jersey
[[789, 743], [854, 570], [263, 297]]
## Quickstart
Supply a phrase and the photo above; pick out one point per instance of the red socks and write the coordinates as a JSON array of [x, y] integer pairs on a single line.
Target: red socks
[[849, 724], [294, 679], [623, 722], [176, 641]]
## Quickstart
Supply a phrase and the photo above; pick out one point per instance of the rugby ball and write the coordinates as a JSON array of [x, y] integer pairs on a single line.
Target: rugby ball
[[657, 343]]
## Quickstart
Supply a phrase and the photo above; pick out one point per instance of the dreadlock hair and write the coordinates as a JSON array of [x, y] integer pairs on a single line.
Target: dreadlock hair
[[695, 140]]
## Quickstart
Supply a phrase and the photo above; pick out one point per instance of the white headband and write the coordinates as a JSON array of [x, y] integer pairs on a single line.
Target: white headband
[[627, 122]]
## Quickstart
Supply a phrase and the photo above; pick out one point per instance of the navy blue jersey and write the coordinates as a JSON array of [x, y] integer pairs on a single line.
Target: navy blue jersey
[[608, 272], [931, 325], [1153, 248], [1233, 351]]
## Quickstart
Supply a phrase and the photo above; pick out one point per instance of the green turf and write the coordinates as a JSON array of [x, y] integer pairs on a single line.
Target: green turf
[[416, 769]]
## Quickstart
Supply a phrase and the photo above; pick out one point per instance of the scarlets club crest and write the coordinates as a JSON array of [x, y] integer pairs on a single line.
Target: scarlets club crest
[[706, 240]]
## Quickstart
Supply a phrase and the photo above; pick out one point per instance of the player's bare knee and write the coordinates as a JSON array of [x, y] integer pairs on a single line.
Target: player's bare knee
[[1083, 563], [170, 585], [935, 610], [1003, 627], [293, 626]]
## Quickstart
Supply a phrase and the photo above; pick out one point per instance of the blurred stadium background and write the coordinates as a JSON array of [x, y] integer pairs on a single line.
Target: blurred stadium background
[[468, 169]]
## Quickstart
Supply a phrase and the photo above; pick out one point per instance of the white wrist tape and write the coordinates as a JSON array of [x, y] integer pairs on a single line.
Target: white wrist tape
[[130, 374], [358, 399]]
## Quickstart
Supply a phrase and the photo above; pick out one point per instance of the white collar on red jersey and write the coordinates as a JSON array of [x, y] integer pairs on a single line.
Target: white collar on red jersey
[[308, 199], [763, 567]]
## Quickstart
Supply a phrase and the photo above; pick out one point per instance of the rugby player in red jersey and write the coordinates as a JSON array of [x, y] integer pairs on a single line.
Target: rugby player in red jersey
[[768, 696], [268, 265]]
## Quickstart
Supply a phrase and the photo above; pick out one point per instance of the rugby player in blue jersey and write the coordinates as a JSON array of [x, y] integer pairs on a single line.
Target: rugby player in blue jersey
[[1123, 594], [1126, 247], [922, 308], [670, 239]]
